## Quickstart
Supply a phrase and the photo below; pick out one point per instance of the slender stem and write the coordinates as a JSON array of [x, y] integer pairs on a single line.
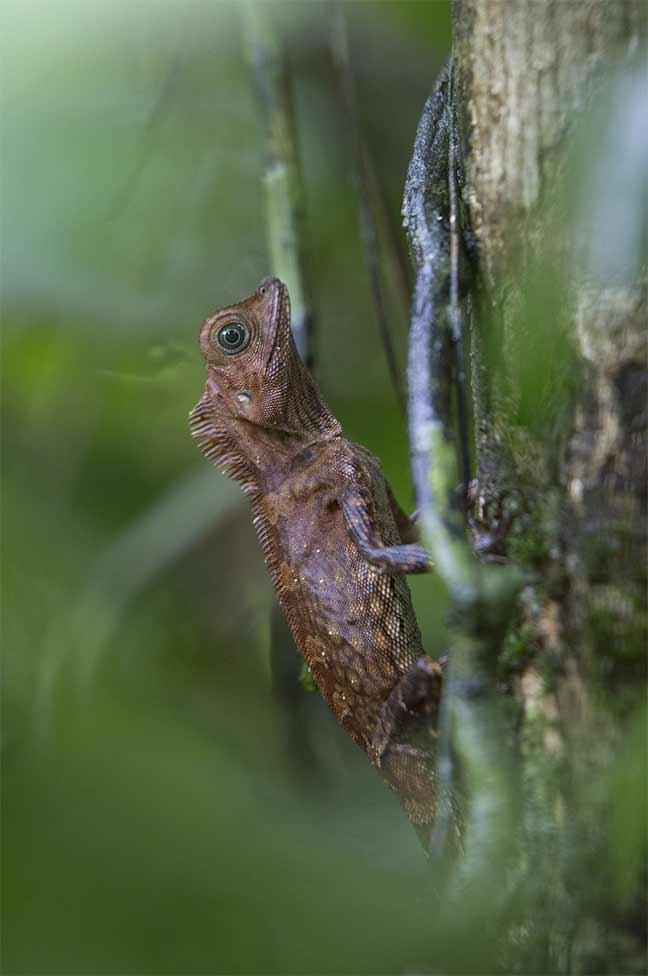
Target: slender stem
[[390, 233], [282, 177], [368, 193]]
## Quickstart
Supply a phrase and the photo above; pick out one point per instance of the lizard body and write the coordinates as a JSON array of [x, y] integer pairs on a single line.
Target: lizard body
[[336, 542]]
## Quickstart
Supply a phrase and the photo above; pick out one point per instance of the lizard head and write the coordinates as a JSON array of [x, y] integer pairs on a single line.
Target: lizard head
[[247, 347], [254, 372]]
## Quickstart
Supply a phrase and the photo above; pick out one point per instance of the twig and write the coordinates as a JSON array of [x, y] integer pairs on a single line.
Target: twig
[[368, 194], [392, 238], [282, 177]]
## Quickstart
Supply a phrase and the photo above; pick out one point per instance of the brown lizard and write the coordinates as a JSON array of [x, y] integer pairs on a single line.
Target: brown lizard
[[334, 537]]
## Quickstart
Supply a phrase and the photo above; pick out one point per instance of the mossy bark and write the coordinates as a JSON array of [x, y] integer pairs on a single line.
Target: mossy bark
[[559, 368]]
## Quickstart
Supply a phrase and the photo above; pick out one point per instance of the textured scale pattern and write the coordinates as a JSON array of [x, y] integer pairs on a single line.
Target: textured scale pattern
[[336, 542]]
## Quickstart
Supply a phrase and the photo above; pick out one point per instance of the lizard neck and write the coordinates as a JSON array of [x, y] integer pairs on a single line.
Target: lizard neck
[[305, 413], [257, 455]]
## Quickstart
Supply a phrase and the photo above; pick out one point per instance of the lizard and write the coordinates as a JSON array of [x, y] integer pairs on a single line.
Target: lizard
[[337, 543]]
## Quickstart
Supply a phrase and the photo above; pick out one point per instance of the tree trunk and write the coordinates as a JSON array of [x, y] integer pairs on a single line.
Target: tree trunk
[[549, 98]]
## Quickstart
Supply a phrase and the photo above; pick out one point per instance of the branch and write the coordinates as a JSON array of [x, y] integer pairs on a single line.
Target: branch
[[481, 596], [426, 214], [282, 176]]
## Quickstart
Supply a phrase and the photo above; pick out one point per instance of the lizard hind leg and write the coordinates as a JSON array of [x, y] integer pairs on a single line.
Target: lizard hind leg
[[405, 744]]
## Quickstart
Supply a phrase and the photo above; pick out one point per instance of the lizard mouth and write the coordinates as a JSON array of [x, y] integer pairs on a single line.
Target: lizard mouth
[[280, 310], [279, 296], [212, 387]]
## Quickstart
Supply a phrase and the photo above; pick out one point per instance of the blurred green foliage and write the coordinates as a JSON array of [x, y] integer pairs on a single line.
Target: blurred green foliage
[[159, 812], [165, 809]]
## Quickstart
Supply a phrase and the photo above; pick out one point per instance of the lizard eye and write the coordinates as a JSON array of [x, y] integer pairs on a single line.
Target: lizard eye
[[233, 338]]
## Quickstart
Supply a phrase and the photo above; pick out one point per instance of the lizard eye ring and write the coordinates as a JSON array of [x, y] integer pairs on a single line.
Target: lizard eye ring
[[232, 338]]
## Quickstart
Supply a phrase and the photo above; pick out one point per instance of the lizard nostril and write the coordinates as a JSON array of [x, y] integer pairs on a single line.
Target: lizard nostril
[[265, 285]]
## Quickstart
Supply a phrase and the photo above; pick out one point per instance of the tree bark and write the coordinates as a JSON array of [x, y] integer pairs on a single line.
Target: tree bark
[[548, 99]]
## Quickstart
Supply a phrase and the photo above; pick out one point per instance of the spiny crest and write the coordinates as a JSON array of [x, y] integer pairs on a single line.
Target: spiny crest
[[220, 445]]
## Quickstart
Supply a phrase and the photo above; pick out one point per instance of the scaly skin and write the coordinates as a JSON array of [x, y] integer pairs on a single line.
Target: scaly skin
[[335, 540]]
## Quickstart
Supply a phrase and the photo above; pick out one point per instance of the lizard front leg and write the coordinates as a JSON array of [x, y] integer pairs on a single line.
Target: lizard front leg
[[405, 558]]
